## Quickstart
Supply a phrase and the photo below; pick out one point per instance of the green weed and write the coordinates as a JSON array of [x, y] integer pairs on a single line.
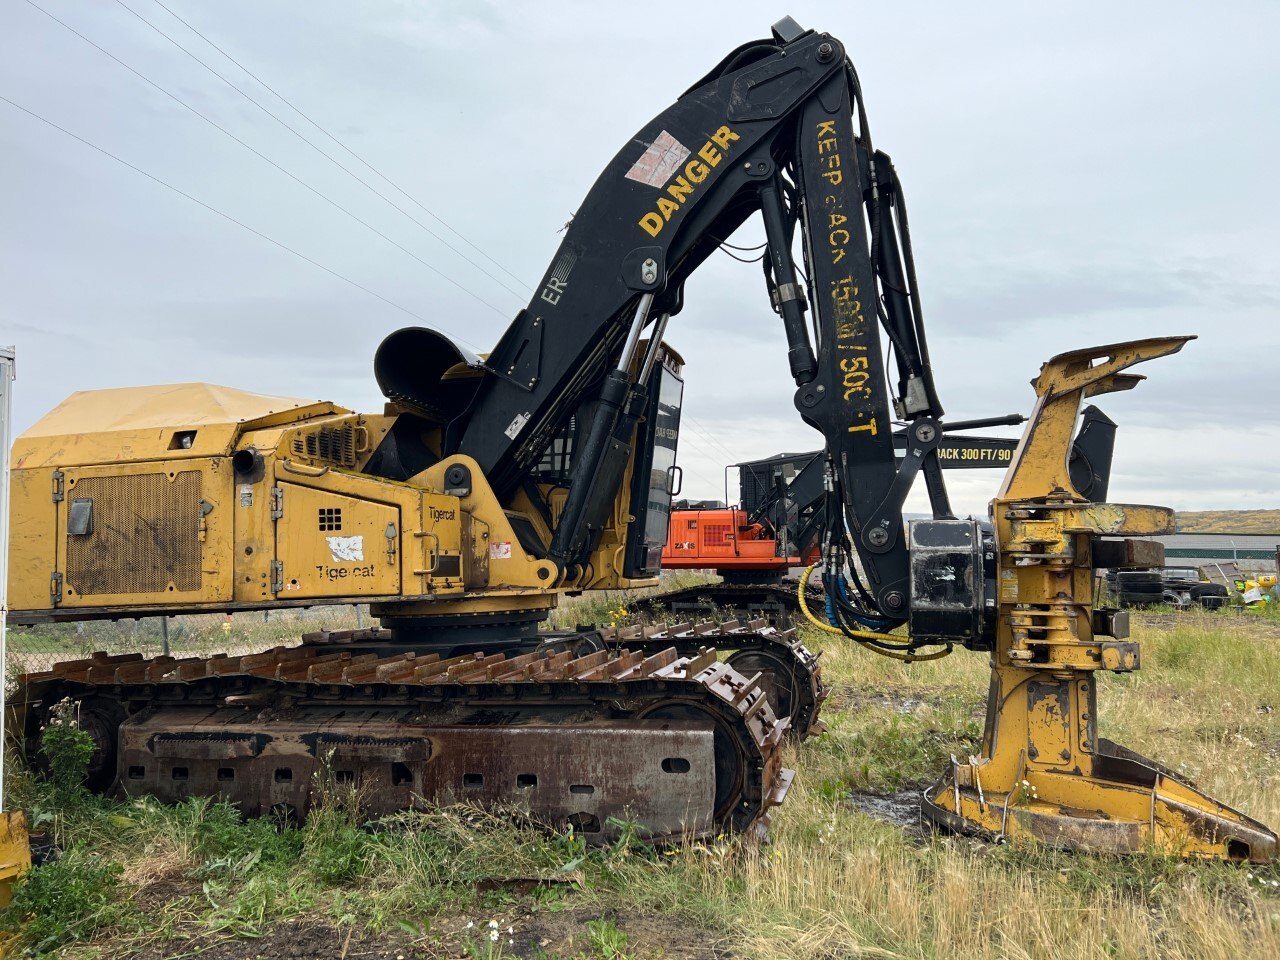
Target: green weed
[[608, 942], [67, 751], [70, 899]]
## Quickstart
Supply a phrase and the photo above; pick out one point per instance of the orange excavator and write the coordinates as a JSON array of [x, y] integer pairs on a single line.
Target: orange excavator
[[777, 523]]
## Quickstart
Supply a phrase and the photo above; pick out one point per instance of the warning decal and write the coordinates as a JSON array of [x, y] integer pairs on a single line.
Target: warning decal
[[659, 161], [346, 548]]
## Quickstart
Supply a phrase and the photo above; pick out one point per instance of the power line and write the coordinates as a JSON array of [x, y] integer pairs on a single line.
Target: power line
[[717, 486], [255, 232], [213, 123], [705, 434], [294, 107], [226, 216], [520, 294], [710, 437]]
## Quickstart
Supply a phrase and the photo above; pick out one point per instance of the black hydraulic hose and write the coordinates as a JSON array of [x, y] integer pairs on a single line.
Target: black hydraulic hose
[[855, 87], [917, 310], [875, 214], [803, 364], [837, 532]]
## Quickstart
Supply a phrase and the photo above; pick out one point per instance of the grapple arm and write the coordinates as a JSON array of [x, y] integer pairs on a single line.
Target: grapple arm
[[1044, 772]]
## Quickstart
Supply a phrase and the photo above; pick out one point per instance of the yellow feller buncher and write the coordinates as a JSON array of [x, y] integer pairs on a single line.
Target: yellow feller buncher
[[489, 487]]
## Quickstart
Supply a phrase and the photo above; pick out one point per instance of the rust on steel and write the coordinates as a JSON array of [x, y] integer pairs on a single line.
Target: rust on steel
[[669, 737]]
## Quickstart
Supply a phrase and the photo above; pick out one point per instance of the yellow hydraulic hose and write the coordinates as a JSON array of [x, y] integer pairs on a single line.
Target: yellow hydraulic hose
[[860, 634]]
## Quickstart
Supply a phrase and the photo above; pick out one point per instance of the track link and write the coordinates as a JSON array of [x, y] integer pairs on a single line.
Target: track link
[[775, 602], [679, 743], [788, 669]]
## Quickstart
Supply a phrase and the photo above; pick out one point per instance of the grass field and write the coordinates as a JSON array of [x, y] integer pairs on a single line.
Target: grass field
[[843, 877], [1229, 521]]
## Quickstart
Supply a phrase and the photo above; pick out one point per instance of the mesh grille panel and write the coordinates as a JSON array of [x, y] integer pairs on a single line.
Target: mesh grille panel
[[334, 444], [717, 534], [145, 534]]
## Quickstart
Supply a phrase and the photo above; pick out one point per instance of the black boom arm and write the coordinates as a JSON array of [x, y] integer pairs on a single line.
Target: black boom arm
[[771, 129]]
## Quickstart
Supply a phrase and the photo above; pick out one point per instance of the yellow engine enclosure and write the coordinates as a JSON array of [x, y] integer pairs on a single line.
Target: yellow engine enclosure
[[128, 502]]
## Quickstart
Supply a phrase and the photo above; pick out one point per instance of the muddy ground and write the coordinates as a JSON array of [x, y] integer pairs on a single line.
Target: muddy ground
[[563, 935]]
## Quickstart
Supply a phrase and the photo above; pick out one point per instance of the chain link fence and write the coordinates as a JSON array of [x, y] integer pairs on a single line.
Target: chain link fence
[[31, 649]]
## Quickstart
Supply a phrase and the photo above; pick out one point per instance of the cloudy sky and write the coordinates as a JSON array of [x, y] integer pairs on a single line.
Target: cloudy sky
[[1077, 174]]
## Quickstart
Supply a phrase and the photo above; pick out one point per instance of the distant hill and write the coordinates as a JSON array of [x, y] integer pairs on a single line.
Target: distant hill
[[1229, 521]]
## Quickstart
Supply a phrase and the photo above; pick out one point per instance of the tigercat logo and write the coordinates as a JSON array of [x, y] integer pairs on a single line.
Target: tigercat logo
[[440, 514], [682, 187]]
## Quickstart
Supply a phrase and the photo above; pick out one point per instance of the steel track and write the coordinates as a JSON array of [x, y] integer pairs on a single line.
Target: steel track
[[663, 733]]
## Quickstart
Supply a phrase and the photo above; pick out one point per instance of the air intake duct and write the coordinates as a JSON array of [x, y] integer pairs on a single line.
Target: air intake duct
[[427, 371]]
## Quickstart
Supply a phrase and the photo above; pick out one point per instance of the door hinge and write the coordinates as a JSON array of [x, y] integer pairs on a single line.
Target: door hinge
[[277, 576], [58, 486], [277, 503], [55, 589]]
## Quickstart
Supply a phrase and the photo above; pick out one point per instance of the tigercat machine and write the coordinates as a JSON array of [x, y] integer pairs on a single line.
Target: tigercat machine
[[487, 488]]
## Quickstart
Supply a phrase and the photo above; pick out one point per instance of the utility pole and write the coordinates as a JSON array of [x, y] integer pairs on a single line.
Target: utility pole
[[7, 375], [15, 846]]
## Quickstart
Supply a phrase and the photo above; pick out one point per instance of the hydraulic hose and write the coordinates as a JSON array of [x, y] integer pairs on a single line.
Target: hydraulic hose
[[860, 636]]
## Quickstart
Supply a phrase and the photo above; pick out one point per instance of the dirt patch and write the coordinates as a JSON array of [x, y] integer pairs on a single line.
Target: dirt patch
[[568, 934], [900, 808], [296, 939], [162, 892], [853, 698], [549, 934]]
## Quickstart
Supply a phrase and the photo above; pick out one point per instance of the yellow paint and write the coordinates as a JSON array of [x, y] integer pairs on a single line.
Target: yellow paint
[[683, 186], [250, 543], [1041, 772], [15, 854], [305, 526], [354, 555]]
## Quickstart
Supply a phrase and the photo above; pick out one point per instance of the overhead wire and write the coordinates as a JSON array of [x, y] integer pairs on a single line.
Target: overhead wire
[[287, 173], [347, 170], [382, 176], [292, 106], [705, 434], [217, 126], [226, 216]]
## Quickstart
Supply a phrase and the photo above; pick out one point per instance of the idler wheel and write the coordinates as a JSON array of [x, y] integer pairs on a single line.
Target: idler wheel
[[730, 764]]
